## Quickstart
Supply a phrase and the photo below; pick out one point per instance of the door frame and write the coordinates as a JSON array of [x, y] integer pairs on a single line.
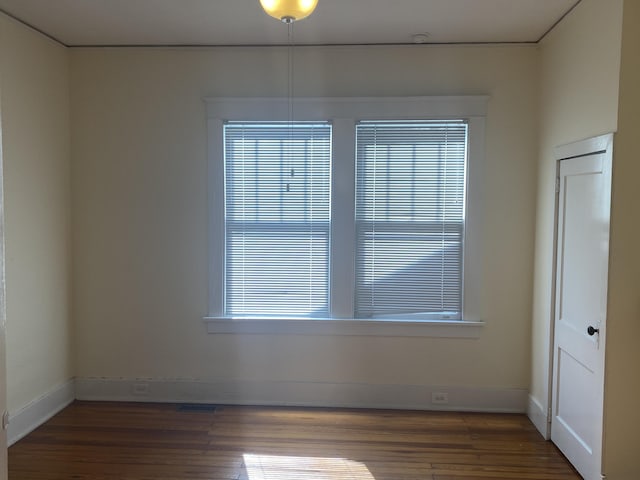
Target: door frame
[[582, 148]]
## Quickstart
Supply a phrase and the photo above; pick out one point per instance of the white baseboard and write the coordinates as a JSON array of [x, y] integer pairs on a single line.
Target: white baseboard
[[308, 394], [538, 416], [38, 411]]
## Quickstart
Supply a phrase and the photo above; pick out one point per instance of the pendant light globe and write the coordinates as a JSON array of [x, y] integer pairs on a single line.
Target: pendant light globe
[[289, 11]]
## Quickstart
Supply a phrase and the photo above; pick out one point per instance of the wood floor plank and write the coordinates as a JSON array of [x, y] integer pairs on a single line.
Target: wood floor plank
[[131, 441]]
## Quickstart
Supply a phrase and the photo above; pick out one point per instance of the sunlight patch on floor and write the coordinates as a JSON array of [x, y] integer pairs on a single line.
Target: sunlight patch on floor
[[269, 467]]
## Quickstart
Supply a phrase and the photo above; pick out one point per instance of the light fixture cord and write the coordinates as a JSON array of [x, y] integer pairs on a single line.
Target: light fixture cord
[[290, 72], [290, 79]]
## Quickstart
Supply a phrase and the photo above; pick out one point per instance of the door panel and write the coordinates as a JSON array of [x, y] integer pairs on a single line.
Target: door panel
[[575, 401], [581, 295]]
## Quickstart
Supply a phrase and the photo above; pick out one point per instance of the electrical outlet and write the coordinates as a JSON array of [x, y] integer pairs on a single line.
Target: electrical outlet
[[439, 398], [140, 389]]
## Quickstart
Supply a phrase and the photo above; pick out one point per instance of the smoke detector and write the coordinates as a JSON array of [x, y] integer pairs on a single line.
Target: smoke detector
[[419, 38]]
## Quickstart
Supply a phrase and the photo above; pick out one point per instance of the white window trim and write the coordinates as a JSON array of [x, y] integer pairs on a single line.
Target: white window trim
[[344, 113]]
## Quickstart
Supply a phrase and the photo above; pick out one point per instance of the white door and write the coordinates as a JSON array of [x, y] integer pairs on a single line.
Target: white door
[[581, 302]]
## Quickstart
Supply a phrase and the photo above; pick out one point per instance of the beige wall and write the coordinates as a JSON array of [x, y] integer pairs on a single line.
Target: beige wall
[[622, 385], [579, 76], [35, 141], [140, 213], [139, 205]]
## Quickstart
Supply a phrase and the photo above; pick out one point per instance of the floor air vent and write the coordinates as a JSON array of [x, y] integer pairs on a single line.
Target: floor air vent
[[196, 407]]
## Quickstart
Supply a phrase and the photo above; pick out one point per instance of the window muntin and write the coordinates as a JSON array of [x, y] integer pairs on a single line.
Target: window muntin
[[277, 218], [410, 208]]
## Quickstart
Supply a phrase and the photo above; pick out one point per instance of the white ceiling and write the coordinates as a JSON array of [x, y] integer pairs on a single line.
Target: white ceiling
[[242, 22]]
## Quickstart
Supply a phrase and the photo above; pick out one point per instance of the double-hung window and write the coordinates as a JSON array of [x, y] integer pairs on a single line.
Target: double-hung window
[[410, 219], [277, 218], [360, 213]]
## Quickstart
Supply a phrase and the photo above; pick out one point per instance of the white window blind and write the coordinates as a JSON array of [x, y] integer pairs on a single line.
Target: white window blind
[[410, 197], [277, 214]]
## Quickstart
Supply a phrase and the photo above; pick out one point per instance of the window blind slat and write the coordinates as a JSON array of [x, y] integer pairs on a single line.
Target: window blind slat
[[277, 213], [410, 218]]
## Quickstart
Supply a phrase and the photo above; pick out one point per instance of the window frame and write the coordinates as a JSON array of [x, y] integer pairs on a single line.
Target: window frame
[[343, 114]]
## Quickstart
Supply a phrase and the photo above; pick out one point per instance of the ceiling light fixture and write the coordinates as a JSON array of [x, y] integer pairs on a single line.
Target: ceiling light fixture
[[289, 11]]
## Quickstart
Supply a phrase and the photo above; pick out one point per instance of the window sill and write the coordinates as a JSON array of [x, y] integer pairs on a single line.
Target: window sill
[[378, 328]]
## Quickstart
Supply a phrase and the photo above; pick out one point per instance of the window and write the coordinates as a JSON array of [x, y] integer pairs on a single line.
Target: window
[[353, 214], [410, 218], [277, 183]]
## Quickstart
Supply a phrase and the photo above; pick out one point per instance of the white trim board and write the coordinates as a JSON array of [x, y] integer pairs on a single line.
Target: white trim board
[[332, 326], [362, 108], [538, 416], [38, 411], [306, 394]]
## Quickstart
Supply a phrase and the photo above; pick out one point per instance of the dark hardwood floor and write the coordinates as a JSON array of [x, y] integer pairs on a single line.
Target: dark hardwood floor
[[126, 441]]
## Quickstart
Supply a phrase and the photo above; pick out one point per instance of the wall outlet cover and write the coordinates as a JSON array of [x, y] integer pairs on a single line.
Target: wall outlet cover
[[439, 398]]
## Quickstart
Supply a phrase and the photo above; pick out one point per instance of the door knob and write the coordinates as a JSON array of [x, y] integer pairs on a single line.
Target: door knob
[[592, 331]]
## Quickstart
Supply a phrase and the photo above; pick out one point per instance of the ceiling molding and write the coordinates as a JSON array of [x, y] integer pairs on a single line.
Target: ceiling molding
[[31, 27], [552, 27], [207, 23]]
